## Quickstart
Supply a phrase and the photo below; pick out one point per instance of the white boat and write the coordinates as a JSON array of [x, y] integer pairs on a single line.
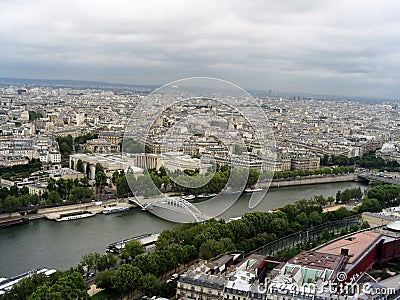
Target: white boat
[[206, 195], [233, 219], [74, 216], [253, 190], [115, 209], [6, 284], [146, 239], [189, 197]]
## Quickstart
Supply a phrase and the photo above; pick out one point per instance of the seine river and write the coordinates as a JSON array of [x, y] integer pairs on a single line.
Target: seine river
[[60, 245]]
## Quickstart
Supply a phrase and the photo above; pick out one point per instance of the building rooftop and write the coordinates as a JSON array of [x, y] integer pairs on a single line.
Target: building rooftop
[[197, 275], [317, 260], [241, 281], [252, 262], [357, 244], [395, 226]]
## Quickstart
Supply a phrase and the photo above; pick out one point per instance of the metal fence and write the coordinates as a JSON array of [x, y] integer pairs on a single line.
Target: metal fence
[[307, 236]]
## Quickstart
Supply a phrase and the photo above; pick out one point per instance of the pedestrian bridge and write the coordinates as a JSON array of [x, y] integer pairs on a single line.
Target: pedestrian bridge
[[174, 204]]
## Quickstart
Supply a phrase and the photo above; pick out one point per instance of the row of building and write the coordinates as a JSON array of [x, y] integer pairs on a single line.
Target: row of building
[[335, 270]]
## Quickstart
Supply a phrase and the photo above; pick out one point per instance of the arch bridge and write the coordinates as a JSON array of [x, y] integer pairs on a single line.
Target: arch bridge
[[175, 204]]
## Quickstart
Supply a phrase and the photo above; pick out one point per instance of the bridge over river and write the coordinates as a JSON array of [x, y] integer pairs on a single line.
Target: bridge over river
[[378, 177], [174, 204]]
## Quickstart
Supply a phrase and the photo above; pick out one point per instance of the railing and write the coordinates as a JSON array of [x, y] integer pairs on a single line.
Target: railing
[[306, 236]]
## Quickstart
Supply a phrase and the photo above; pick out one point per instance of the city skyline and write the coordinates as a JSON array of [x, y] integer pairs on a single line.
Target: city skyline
[[341, 48]]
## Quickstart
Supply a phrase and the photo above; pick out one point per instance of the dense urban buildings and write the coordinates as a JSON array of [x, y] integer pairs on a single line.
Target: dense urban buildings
[[76, 148], [335, 270], [305, 129]]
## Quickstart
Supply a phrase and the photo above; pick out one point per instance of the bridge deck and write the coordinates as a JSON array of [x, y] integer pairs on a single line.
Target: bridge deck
[[372, 177]]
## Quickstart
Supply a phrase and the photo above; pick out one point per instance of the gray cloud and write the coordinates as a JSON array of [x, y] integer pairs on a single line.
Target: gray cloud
[[341, 47]]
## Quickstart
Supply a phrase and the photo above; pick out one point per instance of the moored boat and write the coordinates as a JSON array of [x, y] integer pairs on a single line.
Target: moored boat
[[146, 239], [75, 215], [6, 284], [115, 209], [253, 190], [10, 221]]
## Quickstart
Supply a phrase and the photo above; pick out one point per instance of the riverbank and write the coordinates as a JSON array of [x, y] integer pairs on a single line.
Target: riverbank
[[98, 206], [313, 180], [52, 213]]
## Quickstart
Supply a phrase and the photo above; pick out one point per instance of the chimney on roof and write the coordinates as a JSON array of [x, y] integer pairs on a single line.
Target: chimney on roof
[[344, 251]]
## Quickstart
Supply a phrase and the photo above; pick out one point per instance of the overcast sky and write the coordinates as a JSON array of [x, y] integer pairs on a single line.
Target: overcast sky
[[332, 47]]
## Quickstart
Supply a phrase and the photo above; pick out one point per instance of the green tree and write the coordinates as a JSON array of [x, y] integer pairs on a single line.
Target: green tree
[[331, 200], [68, 286], [341, 213], [53, 198], [68, 186], [66, 145], [101, 180], [127, 278], [45, 196], [106, 261], [212, 248], [62, 188], [84, 181], [45, 292], [23, 289], [99, 168], [338, 196], [365, 225], [149, 285], [114, 177], [71, 285], [132, 249], [370, 205], [11, 203], [123, 186], [105, 279], [33, 115], [88, 171], [51, 185], [91, 262], [79, 166], [302, 219], [315, 218], [253, 177]]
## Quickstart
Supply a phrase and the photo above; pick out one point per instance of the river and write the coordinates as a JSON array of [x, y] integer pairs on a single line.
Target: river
[[60, 245]]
